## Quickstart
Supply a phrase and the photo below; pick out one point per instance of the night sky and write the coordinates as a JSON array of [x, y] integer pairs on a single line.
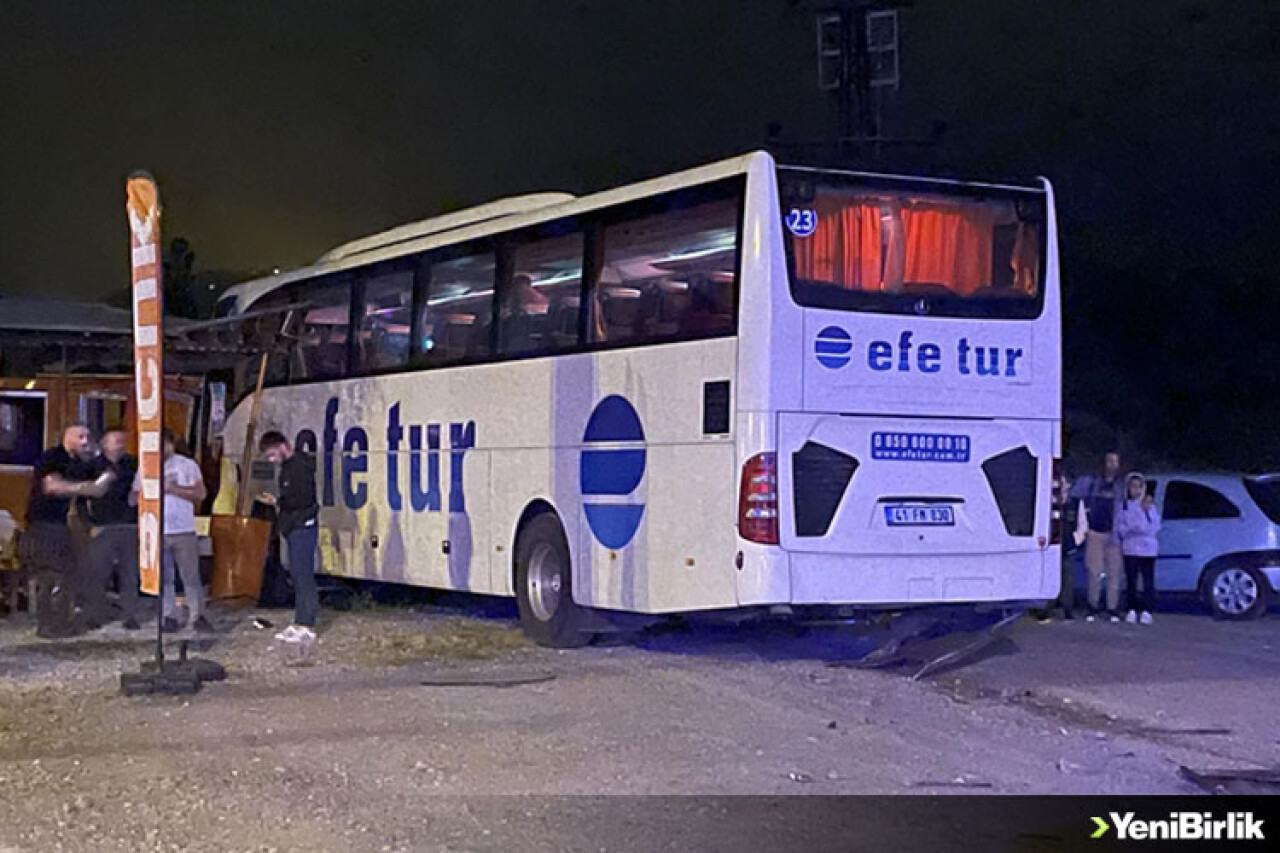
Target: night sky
[[280, 129]]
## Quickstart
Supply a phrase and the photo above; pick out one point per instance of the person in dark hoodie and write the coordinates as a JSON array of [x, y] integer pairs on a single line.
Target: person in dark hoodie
[[1137, 524], [297, 511]]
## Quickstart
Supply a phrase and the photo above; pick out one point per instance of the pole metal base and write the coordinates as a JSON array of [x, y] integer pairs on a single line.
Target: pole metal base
[[182, 677]]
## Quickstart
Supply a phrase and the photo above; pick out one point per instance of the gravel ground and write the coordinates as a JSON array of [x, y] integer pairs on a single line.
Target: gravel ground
[[373, 744]]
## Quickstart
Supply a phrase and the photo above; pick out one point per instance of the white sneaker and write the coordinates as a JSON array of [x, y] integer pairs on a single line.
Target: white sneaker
[[306, 636], [1145, 618], [289, 635], [1090, 618], [1131, 618], [1115, 620]]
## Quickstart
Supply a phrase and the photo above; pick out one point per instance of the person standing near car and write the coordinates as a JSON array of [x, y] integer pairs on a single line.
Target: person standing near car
[[297, 514], [1070, 550], [1067, 591], [1100, 499], [1137, 526]]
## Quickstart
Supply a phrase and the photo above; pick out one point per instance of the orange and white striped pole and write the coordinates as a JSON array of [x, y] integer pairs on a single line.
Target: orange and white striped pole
[[143, 207]]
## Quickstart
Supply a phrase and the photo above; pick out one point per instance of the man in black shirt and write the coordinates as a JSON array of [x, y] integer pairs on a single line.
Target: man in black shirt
[[113, 548], [297, 511], [47, 548]]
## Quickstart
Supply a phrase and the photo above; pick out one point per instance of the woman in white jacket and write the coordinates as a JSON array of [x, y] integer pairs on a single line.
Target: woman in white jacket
[[1137, 524]]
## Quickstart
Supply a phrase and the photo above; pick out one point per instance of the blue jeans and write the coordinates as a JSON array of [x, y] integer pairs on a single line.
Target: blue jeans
[[301, 546], [182, 551]]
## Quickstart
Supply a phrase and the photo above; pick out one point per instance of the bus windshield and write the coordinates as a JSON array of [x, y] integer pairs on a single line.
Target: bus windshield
[[862, 245]]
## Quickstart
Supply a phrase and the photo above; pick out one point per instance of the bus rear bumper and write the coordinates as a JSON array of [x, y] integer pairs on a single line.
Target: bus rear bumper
[[899, 581]]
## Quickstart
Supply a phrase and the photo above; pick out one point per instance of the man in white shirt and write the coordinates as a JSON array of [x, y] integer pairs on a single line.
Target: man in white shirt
[[183, 489]]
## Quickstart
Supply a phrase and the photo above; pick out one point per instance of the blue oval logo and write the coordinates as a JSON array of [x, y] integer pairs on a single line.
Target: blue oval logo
[[833, 347], [610, 469], [802, 222]]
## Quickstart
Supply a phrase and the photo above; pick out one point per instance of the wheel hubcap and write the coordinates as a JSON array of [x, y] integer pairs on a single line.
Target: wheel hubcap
[[1235, 591], [545, 582]]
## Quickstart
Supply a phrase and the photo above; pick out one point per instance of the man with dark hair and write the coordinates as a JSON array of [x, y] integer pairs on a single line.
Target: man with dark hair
[[1100, 497], [297, 511], [183, 489], [113, 546], [47, 548]]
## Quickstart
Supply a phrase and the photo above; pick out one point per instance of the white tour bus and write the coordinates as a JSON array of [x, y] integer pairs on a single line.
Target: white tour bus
[[740, 385]]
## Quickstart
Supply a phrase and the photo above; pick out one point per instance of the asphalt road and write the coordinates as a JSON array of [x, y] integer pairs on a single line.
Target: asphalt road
[[380, 743]]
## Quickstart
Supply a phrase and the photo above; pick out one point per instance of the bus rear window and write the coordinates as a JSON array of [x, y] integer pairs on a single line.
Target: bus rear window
[[860, 246]]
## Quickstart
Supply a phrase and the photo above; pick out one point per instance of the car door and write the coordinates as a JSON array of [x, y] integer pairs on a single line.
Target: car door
[[1198, 523]]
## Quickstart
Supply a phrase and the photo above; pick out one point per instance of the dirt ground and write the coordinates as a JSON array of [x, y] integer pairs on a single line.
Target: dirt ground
[[405, 722]]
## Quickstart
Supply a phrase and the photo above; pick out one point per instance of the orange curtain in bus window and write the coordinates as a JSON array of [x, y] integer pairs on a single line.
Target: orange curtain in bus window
[[950, 246], [845, 247], [1026, 259]]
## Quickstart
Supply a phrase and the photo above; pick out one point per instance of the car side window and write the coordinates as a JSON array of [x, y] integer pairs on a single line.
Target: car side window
[[1186, 501]]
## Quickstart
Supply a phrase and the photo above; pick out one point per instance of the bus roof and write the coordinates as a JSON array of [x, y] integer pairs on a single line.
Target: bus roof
[[481, 221], [447, 222], [931, 182]]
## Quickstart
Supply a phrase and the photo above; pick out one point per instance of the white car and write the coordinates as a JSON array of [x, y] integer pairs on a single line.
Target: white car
[[1220, 539]]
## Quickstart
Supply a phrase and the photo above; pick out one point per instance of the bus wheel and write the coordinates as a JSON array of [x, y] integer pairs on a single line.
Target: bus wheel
[[544, 586]]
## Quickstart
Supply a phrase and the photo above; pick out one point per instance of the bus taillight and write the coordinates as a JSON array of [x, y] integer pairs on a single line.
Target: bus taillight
[[758, 500], [1056, 502]]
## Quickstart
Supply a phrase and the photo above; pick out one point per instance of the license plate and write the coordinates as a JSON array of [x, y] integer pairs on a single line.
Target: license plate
[[898, 515], [919, 447]]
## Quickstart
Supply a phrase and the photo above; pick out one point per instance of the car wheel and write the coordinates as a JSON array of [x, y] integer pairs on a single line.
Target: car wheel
[[544, 586], [1235, 593]]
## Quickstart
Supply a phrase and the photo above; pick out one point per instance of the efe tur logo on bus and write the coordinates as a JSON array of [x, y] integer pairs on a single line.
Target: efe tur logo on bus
[[610, 469]]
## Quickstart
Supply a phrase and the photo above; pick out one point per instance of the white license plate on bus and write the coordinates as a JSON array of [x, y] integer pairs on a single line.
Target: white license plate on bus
[[902, 515]]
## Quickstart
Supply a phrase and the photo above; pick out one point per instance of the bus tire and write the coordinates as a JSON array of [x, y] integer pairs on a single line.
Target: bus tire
[[544, 586]]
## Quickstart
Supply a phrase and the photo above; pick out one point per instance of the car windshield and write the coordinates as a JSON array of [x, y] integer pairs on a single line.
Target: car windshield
[[867, 245], [1265, 492]]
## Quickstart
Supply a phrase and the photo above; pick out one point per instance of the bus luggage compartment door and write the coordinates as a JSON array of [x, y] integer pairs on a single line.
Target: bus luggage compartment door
[[906, 486]]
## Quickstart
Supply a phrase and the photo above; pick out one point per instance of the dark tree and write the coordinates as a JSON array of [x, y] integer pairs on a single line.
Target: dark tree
[[180, 280]]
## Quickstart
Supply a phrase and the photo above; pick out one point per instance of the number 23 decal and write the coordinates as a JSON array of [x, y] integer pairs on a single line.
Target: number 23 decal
[[802, 222]]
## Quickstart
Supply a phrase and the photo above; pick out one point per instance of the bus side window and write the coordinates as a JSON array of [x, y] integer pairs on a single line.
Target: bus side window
[[383, 339], [539, 304], [455, 305], [669, 275], [259, 334], [324, 334]]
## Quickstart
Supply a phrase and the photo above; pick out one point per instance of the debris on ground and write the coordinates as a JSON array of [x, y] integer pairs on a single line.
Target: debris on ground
[[1265, 781], [934, 639], [471, 680], [1158, 730], [981, 640], [958, 782]]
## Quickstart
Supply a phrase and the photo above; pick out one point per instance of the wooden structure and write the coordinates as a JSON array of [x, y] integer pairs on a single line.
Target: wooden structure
[[34, 411]]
